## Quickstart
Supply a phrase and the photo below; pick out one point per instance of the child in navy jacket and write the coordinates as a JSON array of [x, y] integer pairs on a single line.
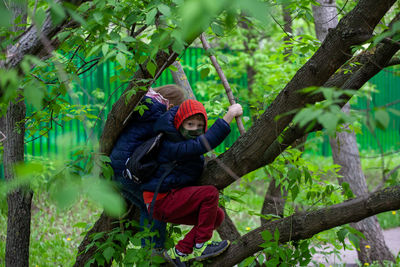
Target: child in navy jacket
[[138, 130], [178, 200]]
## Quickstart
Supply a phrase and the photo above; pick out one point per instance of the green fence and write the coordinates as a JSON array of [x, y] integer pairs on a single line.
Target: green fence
[[387, 84], [74, 133]]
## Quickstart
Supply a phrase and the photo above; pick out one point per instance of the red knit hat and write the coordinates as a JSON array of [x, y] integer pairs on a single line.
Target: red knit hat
[[189, 108]]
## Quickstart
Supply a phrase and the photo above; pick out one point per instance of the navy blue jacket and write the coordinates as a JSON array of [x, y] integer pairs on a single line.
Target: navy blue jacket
[[187, 153], [139, 129]]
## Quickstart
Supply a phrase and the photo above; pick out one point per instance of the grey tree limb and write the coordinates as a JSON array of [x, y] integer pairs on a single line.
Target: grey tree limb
[[224, 81]]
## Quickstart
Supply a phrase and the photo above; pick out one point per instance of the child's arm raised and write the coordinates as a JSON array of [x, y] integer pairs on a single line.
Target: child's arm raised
[[234, 111]]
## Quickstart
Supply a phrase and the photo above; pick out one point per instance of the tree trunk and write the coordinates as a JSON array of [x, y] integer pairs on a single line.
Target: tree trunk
[[345, 153], [287, 27], [325, 17], [19, 201], [181, 79]]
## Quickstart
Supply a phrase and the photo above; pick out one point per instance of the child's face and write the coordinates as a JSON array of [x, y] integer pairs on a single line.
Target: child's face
[[193, 123]]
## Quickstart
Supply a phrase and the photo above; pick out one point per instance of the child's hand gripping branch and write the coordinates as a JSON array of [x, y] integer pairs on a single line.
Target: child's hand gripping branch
[[234, 111]]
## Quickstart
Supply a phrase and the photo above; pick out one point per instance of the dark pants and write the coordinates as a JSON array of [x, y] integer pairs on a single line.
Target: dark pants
[[134, 195], [194, 205]]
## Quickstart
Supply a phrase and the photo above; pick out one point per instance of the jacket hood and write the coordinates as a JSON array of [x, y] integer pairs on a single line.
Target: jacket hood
[[187, 109], [165, 124]]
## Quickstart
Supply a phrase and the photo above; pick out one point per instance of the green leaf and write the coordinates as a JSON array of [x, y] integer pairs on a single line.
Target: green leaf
[[93, 50], [347, 190], [256, 9], [164, 9], [151, 67], [217, 29], [341, 234], [108, 253], [204, 73], [102, 192], [276, 234], [98, 17], [57, 12], [34, 94], [40, 17], [355, 240], [151, 16], [76, 17], [128, 39], [224, 59], [382, 118], [295, 191], [121, 58], [173, 68], [80, 225], [5, 16], [104, 49], [329, 121], [266, 235]]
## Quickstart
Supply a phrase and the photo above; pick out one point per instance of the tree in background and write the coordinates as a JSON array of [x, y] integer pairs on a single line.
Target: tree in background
[[345, 153]]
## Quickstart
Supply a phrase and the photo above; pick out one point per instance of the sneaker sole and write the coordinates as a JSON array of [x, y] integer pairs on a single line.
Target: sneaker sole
[[169, 259], [205, 257]]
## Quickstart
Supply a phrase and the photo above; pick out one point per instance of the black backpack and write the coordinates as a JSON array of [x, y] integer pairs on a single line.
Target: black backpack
[[141, 165]]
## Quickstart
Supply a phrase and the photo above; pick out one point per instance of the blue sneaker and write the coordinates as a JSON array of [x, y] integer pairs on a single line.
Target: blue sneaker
[[210, 249]]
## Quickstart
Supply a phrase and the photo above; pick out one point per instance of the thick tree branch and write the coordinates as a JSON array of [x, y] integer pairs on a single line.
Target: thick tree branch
[[358, 77], [245, 154], [30, 42], [306, 224]]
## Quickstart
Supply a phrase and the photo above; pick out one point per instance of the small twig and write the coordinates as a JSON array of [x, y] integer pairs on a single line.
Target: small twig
[[45, 106], [135, 34], [224, 81], [96, 60], [48, 130], [385, 178], [383, 106], [73, 55]]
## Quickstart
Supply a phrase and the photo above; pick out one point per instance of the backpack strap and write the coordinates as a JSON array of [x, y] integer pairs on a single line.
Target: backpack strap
[[170, 167]]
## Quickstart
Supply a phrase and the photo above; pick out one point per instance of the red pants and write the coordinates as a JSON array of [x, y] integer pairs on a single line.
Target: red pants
[[194, 205]]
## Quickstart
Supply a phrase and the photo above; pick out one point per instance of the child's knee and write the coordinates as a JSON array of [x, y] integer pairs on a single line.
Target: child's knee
[[211, 192]]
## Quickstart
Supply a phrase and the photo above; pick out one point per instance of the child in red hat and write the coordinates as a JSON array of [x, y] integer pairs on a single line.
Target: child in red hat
[[179, 200]]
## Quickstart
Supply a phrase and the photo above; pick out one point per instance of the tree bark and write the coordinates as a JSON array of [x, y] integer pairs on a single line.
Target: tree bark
[[345, 153], [19, 200], [325, 17], [181, 79], [287, 27]]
